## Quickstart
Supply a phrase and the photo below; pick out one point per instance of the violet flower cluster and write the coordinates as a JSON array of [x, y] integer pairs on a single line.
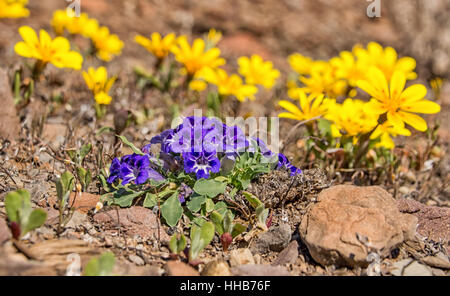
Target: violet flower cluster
[[196, 146]]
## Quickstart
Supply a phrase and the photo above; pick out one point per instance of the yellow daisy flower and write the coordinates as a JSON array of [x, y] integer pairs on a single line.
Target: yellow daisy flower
[[74, 25], [98, 82], [13, 9], [158, 46], [197, 57], [47, 50], [351, 118], [106, 44], [310, 106], [400, 104], [385, 131], [300, 64], [386, 60], [257, 71], [229, 84]]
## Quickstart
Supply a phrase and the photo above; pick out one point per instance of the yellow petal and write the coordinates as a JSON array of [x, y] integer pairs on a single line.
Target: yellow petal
[[422, 106], [290, 107], [29, 35], [290, 116], [413, 93], [397, 84], [414, 120]]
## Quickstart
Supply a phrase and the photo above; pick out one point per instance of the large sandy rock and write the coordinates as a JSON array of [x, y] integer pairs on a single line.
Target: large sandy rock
[[335, 228]]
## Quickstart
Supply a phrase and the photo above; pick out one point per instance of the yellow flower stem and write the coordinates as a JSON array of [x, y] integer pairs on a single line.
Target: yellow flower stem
[[38, 68], [363, 146], [100, 110]]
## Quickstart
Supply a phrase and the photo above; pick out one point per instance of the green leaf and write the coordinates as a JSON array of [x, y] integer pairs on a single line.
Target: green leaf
[[101, 266], [125, 199], [199, 221], [37, 219], [172, 210], [209, 205], [253, 200], [64, 187], [176, 244], [324, 126], [13, 203], [221, 207], [85, 151], [262, 214], [200, 238], [228, 222], [196, 203], [150, 200], [131, 145], [238, 229], [217, 219], [209, 187]]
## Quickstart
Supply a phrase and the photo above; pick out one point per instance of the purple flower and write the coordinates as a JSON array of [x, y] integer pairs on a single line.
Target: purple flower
[[234, 141], [258, 144], [114, 171], [283, 162], [133, 167], [201, 163]]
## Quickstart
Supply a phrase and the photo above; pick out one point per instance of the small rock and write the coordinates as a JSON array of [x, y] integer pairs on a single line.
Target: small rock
[[216, 268], [276, 239], [136, 260], [259, 270], [436, 262], [5, 233], [348, 219], [406, 267], [177, 268], [288, 255], [241, 257], [84, 201], [135, 221], [76, 220], [92, 231]]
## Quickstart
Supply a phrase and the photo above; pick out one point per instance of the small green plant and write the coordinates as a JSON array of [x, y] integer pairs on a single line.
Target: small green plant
[[22, 218], [64, 187], [177, 244], [77, 156], [201, 236], [101, 266], [225, 227], [261, 212]]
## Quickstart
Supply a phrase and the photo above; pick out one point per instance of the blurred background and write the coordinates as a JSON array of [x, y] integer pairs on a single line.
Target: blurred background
[[271, 28]]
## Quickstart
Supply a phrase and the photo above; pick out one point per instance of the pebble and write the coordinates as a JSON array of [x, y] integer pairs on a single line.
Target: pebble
[[136, 260]]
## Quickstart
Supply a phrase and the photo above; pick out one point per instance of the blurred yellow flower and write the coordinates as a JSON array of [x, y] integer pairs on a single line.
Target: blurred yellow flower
[[300, 64], [323, 80], [198, 85], [158, 46], [82, 25], [106, 44], [257, 71], [385, 131], [13, 9], [400, 104], [98, 82], [351, 118], [197, 57], [386, 60], [310, 107], [229, 84], [213, 38], [46, 50], [348, 67]]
